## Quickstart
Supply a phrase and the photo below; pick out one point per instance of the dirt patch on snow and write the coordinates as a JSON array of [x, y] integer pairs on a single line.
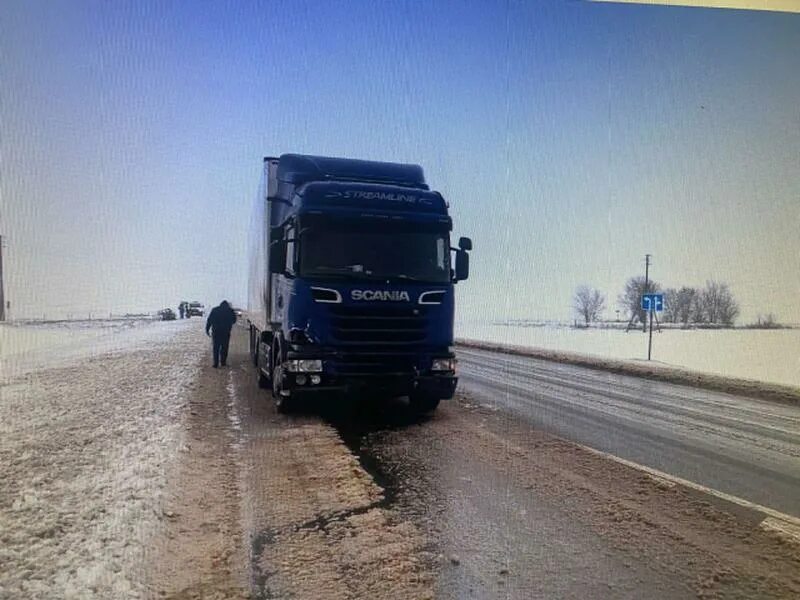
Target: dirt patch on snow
[[361, 555], [743, 387], [320, 526]]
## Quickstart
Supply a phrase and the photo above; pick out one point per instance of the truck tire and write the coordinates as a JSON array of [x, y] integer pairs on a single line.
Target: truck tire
[[263, 381], [283, 404], [423, 404]]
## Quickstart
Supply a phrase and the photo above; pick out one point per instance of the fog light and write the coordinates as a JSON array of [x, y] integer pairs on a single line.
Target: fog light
[[315, 379], [300, 379], [443, 364]]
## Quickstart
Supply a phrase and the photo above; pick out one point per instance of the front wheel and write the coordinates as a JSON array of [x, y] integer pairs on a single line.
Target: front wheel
[[263, 380], [254, 338], [423, 404], [283, 403]]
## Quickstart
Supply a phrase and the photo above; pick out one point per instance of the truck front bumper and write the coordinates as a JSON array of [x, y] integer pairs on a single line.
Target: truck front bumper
[[387, 379], [388, 385]]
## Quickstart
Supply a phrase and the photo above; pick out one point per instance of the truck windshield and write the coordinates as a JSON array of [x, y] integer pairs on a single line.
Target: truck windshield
[[415, 256]]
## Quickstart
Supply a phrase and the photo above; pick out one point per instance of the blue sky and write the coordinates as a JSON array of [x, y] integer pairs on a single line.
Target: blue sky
[[570, 139]]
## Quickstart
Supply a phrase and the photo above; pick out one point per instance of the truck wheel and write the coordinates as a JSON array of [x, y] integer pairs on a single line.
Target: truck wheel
[[284, 404], [423, 404], [263, 380]]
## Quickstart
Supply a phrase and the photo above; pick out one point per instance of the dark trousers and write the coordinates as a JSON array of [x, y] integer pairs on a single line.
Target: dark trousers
[[219, 343]]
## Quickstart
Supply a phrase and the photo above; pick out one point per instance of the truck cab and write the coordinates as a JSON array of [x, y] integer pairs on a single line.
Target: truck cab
[[352, 283]]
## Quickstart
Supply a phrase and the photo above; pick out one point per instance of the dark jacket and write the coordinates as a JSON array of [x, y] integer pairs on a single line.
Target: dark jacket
[[221, 319]]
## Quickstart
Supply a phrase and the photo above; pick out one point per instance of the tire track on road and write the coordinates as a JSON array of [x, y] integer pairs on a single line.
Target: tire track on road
[[713, 444]]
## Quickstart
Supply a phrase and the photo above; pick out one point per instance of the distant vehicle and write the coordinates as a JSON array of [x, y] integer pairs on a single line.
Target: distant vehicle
[[167, 314], [351, 285], [238, 312], [195, 309]]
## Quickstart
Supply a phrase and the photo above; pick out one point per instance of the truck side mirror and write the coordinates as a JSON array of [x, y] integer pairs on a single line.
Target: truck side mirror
[[465, 244], [462, 265], [277, 257]]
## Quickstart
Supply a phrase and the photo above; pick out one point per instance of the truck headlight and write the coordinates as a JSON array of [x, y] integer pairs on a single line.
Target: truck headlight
[[304, 366], [443, 364]]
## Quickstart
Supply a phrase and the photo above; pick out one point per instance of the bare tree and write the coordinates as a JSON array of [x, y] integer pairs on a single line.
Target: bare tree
[[717, 304], [680, 306], [670, 314], [714, 304], [709, 301], [697, 312], [588, 303], [765, 322], [631, 297], [728, 307], [685, 305]]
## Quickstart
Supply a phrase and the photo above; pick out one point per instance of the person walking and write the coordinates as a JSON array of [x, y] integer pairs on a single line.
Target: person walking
[[182, 308], [220, 322]]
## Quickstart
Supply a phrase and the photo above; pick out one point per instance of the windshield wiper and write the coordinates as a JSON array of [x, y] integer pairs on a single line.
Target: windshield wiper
[[346, 271], [342, 269], [350, 272], [399, 276]]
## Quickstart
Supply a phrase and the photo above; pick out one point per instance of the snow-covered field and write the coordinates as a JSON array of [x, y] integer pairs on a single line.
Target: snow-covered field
[[90, 420], [23, 339], [764, 355], [32, 346]]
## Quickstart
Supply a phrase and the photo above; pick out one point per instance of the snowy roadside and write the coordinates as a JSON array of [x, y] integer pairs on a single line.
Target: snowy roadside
[[660, 372], [263, 505], [84, 453]]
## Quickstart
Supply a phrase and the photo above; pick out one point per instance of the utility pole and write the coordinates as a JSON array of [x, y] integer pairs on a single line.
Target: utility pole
[[646, 290], [635, 312], [2, 294]]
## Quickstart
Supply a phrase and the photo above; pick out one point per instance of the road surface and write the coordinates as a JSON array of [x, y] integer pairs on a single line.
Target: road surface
[[145, 473], [745, 447]]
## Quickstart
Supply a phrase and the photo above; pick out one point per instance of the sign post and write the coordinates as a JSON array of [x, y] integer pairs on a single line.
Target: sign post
[[652, 303], [3, 302]]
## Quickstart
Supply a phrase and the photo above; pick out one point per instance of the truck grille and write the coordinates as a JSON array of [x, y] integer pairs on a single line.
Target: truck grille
[[378, 325], [377, 339]]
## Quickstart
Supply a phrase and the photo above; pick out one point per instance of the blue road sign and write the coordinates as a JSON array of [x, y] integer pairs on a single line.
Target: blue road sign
[[653, 302]]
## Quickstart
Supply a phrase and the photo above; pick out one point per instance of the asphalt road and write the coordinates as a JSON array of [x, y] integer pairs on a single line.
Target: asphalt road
[[740, 446]]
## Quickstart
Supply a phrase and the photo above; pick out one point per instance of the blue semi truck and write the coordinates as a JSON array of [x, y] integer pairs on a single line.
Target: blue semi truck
[[351, 282]]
